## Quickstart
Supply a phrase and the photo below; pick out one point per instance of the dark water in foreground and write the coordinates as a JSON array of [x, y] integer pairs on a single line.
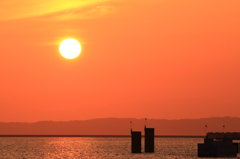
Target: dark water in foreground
[[93, 148]]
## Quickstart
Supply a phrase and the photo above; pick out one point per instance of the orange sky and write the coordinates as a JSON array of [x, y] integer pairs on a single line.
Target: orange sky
[[150, 58]]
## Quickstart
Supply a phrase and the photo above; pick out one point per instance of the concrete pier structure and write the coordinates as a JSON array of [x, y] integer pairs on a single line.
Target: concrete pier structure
[[219, 145], [149, 140], [136, 141]]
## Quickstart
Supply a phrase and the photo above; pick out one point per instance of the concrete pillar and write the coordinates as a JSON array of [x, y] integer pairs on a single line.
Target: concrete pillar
[[136, 141], [149, 140]]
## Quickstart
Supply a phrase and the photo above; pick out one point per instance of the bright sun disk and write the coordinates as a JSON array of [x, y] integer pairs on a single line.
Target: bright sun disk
[[70, 48]]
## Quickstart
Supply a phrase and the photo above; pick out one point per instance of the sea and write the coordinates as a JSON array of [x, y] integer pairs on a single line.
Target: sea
[[93, 148]]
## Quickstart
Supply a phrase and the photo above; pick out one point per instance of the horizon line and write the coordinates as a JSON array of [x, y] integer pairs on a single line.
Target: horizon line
[[117, 118]]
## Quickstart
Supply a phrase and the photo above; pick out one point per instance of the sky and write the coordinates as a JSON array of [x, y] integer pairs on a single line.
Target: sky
[[165, 59]]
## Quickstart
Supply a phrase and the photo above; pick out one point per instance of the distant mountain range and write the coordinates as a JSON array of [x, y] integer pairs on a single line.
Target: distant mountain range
[[121, 126]]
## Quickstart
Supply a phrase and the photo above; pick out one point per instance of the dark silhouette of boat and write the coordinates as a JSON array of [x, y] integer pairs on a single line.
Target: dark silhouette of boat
[[219, 145]]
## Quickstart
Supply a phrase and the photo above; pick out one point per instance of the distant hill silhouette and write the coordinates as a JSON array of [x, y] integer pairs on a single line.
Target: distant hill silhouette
[[120, 126]]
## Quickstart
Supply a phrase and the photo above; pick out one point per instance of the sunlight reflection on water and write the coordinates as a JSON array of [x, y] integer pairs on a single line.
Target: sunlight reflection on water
[[93, 148]]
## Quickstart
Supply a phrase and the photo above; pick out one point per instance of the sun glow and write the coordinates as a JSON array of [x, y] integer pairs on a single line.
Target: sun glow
[[70, 48]]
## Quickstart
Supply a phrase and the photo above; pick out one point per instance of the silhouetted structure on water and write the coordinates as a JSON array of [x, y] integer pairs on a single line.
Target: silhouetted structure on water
[[136, 138], [219, 145], [149, 140], [136, 141]]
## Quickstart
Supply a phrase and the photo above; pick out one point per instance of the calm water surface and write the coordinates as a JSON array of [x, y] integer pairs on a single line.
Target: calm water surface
[[93, 148]]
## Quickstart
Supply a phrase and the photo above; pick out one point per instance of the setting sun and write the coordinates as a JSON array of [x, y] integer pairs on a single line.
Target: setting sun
[[70, 48]]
